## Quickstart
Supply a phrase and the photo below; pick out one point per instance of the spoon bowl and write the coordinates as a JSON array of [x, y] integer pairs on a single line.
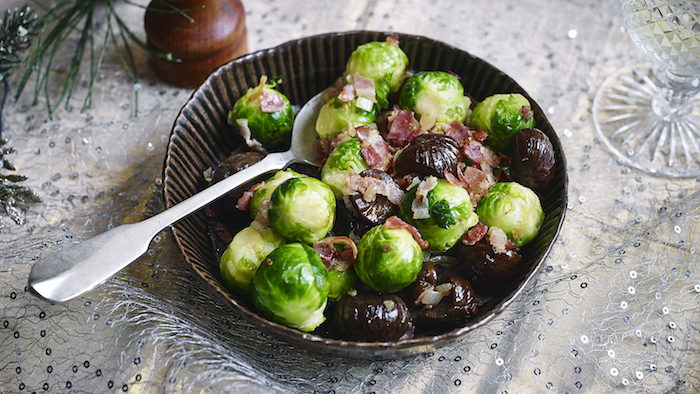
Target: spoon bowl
[[74, 270]]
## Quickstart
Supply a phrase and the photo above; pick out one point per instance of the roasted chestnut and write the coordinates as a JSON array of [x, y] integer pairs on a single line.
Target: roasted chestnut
[[235, 163], [372, 317], [487, 270], [224, 207], [532, 162], [426, 280], [429, 154], [378, 210], [455, 307]]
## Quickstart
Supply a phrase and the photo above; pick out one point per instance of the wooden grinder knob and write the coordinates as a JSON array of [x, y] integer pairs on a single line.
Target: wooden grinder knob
[[217, 35]]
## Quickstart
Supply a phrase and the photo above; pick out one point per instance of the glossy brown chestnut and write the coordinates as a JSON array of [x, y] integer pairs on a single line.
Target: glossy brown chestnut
[[426, 280], [235, 163], [231, 165], [533, 160], [372, 317], [454, 308], [487, 270], [429, 154], [377, 211]]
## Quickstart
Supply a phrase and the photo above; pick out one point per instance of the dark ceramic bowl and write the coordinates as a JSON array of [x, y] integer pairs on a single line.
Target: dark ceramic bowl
[[201, 138]]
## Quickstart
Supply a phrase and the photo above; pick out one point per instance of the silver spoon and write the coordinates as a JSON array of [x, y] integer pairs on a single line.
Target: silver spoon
[[79, 268]]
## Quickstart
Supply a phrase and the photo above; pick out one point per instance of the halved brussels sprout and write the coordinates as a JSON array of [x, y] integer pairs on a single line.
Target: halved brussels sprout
[[344, 159], [291, 287], [243, 255], [384, 63], [264, 192], [514, 209], [337, 116], [502, 115], [302, 209], [442, 212], [388, 259], [263, 114], [437, 98]]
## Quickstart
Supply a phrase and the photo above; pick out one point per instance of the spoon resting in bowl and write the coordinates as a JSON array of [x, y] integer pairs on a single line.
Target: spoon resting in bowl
[[79, 268]]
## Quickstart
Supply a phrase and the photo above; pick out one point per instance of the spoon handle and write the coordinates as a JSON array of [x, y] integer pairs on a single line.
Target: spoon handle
[[76, 269]]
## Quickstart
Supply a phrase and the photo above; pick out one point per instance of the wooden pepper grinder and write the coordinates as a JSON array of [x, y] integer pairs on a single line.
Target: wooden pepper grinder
[[217, 34]]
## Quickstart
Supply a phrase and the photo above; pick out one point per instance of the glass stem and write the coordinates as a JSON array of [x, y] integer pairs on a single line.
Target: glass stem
[[674, 99]]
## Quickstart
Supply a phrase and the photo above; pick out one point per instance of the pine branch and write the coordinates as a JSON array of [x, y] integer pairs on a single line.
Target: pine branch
[[14, 39], [57, 24], [42, 37]]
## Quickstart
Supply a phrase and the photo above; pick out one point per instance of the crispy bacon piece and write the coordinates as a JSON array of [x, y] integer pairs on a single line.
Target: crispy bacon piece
[[480, 136], [271, 102], [244, 201], [358, 86], [473, 152], [489, 157], [377, 153], [407, 180], [347, 94], [476, 181], [457, 130], [395, 222], [403, 126], [337, 253], [364, 87], [454, 180], [369, 186], [499, 240], [475, 234], [393, 39]]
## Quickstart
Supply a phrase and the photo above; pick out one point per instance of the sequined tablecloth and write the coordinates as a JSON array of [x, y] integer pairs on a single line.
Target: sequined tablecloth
[[614, 308]]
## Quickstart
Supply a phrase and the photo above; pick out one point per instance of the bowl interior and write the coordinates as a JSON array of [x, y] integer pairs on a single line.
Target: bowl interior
[[201, 138]]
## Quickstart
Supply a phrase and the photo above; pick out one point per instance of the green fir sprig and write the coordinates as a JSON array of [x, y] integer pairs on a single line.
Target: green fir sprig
[[15, 37], [59, 22], [41, 38], [12, 194]]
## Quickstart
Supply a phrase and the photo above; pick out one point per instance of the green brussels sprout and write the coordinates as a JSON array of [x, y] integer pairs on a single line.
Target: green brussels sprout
[[442, 215], [264, 192], [437, 98], [337, 116], [514, 209], [502, 115], [291, 287], [344, 159], [341, 282], [384, 63], [388, 259], [263, 114], [302, 209], [244, 254]]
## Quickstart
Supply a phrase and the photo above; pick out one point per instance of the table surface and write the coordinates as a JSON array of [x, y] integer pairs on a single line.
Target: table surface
[[615, 306]]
